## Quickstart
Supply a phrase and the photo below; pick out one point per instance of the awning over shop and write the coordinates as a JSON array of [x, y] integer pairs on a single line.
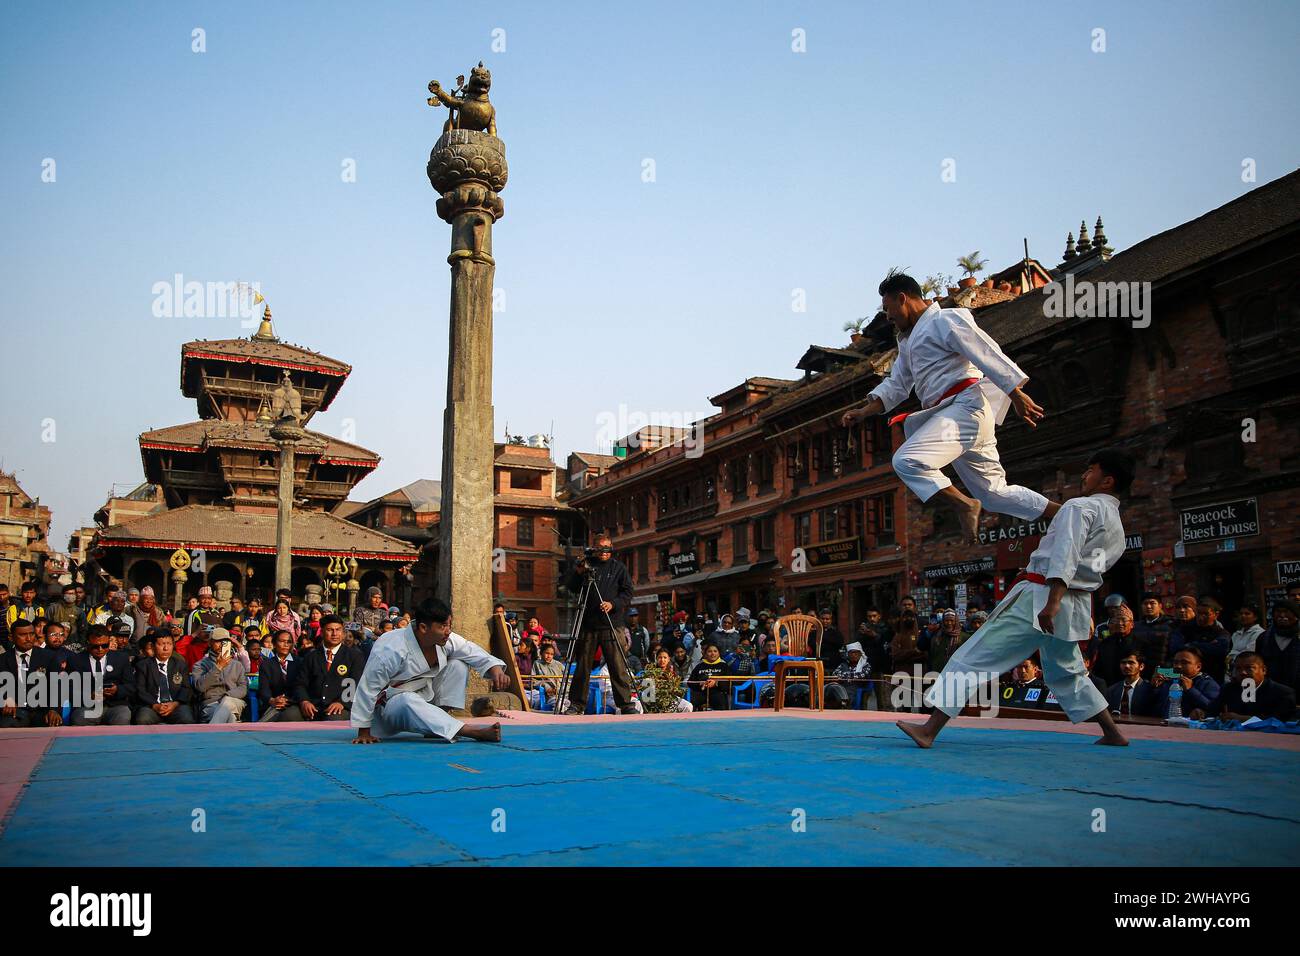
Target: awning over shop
[[701, 577]]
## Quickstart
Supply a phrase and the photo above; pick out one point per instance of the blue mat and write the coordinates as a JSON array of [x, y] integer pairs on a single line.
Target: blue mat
[[764, 791]]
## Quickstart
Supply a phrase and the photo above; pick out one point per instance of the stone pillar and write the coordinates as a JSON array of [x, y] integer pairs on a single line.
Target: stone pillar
[[180, 577], [468, 168], [286, 433]]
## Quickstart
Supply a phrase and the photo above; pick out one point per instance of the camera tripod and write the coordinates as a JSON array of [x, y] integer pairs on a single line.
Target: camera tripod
[[589, 587]]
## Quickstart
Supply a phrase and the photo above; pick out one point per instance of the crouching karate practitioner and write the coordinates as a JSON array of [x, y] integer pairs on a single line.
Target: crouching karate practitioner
[[965, 384], [1049, 609], [413, 674]]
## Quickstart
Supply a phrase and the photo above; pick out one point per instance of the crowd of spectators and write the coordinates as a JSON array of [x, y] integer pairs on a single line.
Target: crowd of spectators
[[148, 665], [200, 665]]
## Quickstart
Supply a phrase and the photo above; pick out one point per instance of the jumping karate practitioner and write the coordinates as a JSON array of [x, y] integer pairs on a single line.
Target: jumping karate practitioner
[[1048, 609], [965, 384], [416, 672]]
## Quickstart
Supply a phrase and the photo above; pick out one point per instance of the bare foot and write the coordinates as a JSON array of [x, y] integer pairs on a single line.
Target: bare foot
[[485, 735], [970, 522], [1117, 741], [916, 732]]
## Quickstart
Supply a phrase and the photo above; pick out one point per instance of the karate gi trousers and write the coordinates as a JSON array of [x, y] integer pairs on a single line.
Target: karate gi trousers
[[961, 432], [1008, 638], [409, 711]]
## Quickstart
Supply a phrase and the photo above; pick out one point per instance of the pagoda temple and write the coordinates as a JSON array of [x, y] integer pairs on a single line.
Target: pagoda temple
[[219, 478]]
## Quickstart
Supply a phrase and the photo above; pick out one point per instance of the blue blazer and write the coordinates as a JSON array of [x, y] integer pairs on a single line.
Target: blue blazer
[[1141, 702]]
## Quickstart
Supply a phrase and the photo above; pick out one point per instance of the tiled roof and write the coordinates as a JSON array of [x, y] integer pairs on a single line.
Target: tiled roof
[[527, 501], [220, 433], [269, 353], [595, 460], [222, 529], [525, 461], [1261, 212]]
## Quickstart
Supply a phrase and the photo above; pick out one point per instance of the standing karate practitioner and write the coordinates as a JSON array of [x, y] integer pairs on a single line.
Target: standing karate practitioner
[[1049, 609], [439, 661], [964, 383]]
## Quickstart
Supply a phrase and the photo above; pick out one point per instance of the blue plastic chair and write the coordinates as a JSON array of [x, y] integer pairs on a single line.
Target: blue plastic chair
[[753, 684]]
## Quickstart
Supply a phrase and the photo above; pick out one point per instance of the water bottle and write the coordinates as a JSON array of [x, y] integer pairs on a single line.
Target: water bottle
[[1175, 700]]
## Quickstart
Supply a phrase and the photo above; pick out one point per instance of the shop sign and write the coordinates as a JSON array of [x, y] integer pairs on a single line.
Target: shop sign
[[1229, 519], [843, 551], [959, 569], [683, 564]]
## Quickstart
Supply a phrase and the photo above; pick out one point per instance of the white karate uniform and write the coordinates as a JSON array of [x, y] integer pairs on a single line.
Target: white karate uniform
[[1084, 540], [944, 348], [418, 706]]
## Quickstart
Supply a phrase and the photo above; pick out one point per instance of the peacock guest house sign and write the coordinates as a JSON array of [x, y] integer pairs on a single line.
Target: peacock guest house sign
[[1230, 519]]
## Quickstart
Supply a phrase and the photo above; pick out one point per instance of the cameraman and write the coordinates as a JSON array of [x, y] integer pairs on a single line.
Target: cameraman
[[615, 596]]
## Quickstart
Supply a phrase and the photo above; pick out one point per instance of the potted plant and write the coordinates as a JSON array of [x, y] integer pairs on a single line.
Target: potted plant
[[970, 265], [855, 328], [935, 287]]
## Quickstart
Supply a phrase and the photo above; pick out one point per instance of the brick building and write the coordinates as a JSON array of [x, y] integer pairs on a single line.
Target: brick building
[[1206, 397], [779, 502], [24, 534]]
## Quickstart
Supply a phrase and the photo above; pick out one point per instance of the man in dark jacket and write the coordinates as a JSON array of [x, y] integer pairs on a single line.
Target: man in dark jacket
[[328, 675], [24, 664], [1131, 695], [607, 601], [162, 690], [1200, 690], [1253, 694], [1118, 643], [275, 680], [1206, 634], [110, 674], [1278, 645], [1151, 632]]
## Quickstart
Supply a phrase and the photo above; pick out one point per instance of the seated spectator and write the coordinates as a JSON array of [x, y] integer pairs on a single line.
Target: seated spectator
[[661, 687], [1151, 632], [1207, 635], [711, 692], [254, 650], [740, 662], [1200, 690], [161, 688], [1246, 635], [22, 661], [1278, 646], [725, 635], [765, 663], [111, 677], [220, 681], [326, 672], [976, 619], [1023, 686], [1115, 643], [253, 616], [1253, 694], [1131, 695], [275, 680], [682, 661], [854, 671], [945, 643], [546, 666], [192, 648], [525, 654], [876, 638], [56, 637], [236, 611], [145, 648], [283, 618]]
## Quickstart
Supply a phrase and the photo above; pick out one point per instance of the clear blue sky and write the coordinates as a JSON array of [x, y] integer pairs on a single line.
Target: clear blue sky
[[775, 170]]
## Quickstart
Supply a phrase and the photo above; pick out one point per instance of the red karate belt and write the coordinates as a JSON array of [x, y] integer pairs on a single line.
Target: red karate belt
[[1030, 576], [955, 390]]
